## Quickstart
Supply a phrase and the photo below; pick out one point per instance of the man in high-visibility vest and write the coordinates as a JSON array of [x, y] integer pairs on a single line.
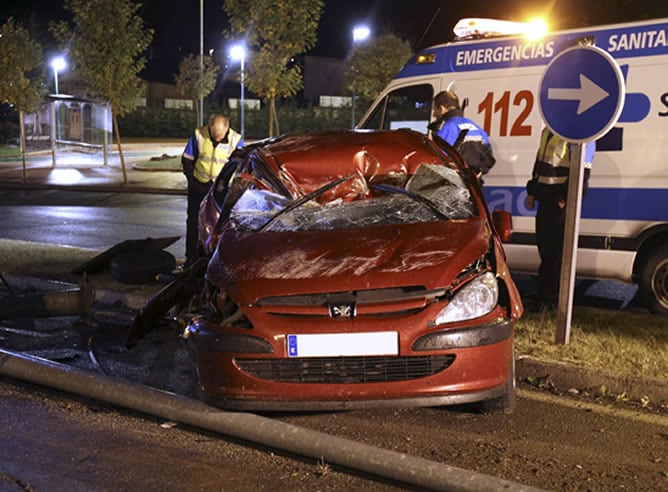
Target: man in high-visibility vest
[[549, 185], [207, 150]]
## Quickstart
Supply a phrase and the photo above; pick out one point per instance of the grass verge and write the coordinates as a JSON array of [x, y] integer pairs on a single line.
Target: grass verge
[[632, 344], [164, 162], [9, 151], [40, 259]]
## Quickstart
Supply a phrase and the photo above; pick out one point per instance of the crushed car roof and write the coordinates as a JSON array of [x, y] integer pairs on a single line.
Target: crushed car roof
[[345, 153]]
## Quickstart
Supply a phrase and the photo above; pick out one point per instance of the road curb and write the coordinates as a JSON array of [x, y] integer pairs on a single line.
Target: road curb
[[102, 188], [563, 377]]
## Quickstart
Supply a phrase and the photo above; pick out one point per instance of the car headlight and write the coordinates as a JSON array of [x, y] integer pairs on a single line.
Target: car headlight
[[476, 299]]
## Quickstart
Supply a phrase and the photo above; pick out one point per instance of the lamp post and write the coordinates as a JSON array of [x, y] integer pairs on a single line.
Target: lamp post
[[58, 64], [360, 33], [238, 52]]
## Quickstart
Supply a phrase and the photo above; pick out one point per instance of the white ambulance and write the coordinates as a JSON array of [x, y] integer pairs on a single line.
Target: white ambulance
[[624, 227]]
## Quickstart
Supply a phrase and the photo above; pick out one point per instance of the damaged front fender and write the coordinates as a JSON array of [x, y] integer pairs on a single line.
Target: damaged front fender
[[186, 285]]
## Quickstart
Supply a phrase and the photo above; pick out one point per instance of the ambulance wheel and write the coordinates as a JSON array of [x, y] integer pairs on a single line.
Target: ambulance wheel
[[653, 281]]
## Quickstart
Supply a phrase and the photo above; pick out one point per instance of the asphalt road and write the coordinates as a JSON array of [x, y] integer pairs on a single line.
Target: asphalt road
[[95, 220]]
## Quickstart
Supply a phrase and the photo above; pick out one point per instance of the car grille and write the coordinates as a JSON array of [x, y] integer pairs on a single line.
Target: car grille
[[338, 370], [397, 301]]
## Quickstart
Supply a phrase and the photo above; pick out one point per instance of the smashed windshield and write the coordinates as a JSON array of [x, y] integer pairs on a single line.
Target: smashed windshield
[[433, 193]]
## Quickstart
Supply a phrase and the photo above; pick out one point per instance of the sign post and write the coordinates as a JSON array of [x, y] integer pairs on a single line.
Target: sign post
[[581, 97]]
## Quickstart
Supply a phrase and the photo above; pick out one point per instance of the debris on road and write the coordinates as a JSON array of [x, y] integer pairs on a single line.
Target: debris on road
[[69, 302], [103, 260], [180, 290]]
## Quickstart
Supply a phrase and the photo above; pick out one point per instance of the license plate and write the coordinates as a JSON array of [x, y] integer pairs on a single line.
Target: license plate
[[338, 344]]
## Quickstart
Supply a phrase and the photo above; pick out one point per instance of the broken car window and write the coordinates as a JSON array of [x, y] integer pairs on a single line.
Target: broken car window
[[443, 188]]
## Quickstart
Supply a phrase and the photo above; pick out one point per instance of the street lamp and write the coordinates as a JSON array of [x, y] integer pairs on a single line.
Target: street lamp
[[360, 33], [238, 52], [58, 64]]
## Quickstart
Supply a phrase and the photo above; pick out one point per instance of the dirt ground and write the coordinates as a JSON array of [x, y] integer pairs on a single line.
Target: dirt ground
[[553, 443], [83, 445]]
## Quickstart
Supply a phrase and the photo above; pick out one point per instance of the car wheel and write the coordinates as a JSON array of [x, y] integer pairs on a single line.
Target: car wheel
[[507, 402], [139, 267], [653, 281]]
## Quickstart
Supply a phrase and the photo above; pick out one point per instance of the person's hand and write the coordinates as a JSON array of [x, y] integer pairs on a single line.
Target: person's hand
[[530, 201], [562, 202], [188, 168]]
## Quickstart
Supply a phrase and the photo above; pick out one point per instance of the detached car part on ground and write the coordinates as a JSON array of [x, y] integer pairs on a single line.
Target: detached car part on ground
[[352, 269]]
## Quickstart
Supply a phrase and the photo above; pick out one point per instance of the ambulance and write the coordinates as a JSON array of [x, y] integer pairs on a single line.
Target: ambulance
[[624, 219]]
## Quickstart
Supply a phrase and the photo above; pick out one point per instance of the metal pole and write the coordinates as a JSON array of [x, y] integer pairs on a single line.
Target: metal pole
[[54, 131], [353, 111], [55, 78], [569, 256], [360, 33], [107, 118], [243, 57]]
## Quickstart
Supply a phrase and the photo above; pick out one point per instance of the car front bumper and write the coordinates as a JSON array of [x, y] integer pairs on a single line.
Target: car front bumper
[[456, 366]]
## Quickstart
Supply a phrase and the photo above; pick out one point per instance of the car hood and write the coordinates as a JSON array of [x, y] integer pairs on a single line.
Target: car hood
[[253, 265]]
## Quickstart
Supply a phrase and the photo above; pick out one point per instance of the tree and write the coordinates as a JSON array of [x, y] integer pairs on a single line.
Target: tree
[[21, 75], [194, 81], [373, 64], [106, 47], [276, 31]]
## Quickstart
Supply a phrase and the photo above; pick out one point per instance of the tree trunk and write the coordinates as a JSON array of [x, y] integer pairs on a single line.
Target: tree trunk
[[273, 116], [118, 143], [278, 129], [196, 103]]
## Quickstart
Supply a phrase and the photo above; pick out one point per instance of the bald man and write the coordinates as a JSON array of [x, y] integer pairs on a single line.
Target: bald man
[[207, 150]]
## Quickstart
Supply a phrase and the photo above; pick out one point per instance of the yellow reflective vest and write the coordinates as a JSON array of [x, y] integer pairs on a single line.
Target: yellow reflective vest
[[553, 158], [555, 152], [211, 159]]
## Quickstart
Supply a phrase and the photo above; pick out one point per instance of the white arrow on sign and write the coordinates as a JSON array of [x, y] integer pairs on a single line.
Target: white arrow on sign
[[589, 94]]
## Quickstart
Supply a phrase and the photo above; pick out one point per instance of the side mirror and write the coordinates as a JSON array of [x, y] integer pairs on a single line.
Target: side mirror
[[503, 223]]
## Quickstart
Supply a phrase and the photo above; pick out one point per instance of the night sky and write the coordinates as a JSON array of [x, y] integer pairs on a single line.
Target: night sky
[[421, 22]]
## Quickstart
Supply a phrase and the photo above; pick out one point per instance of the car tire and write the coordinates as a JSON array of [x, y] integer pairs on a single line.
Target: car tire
[[140, 267], [507, 402], [653, 281]]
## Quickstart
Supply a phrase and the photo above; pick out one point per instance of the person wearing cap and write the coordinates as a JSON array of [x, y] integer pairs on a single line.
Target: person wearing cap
[[207, 150], [549, 185], [464, 134]]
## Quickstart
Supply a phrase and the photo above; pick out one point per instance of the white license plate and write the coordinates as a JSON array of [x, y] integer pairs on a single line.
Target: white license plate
[[338, 344]]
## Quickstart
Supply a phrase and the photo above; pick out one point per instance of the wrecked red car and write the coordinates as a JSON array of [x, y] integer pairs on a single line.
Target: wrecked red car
[[353, 269]]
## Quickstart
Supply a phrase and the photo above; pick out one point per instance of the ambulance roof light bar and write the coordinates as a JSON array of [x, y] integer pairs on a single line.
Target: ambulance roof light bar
[[476, 28]]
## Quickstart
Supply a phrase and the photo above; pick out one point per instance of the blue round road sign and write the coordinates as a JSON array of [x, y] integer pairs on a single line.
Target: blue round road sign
[[582, 93]]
